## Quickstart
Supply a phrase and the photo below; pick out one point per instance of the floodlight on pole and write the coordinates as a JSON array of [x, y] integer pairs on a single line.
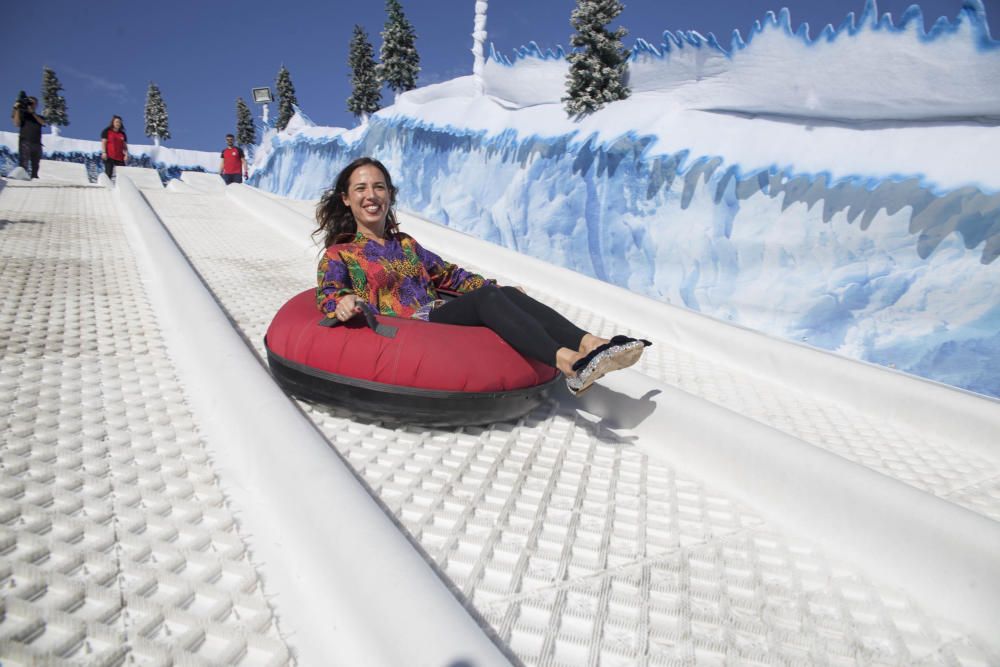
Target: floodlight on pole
[[262, 96]]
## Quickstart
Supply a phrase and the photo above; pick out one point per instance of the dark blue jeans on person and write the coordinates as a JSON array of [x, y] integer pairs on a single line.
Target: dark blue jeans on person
[[530, 327], [232, 178], [29, 155]]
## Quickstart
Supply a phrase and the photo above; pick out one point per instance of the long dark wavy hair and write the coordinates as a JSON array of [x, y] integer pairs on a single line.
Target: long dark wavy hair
[[336, 222], [111, 124]]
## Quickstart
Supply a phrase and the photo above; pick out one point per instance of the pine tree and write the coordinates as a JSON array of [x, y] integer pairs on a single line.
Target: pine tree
[[286, 98], [400, 61], [157, 122], [55, 104], [599, 67], [246, 133], [365, 93]]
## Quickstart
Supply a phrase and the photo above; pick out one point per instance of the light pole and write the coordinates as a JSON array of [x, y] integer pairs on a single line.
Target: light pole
[[262, 96]]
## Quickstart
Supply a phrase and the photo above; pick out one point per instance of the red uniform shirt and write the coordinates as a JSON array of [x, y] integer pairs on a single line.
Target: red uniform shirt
[[116, 143], [232, 160]]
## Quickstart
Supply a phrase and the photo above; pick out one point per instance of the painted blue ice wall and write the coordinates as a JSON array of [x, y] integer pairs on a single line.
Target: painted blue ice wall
[[883, 270]]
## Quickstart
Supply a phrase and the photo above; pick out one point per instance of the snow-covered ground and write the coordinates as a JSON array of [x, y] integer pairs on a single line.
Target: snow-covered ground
[[841, 190]]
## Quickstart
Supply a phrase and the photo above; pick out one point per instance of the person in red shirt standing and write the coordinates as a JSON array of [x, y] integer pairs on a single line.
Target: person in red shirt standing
[[114, 145], [234, 164]]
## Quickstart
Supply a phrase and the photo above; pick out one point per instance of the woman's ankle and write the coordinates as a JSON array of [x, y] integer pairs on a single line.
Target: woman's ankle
[[565, 358], [589, 342]]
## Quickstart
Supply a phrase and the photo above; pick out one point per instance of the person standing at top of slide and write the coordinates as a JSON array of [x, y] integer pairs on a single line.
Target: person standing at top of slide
[[114, 145], [234, 164], [29, 126]]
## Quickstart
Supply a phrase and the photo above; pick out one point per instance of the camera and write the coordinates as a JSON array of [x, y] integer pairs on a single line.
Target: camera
[[23, 102]]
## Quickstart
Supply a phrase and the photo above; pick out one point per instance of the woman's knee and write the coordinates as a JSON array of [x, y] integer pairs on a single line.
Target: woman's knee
[[489, 294]]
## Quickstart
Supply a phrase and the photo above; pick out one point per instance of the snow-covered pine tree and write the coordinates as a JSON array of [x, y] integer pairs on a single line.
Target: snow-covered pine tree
[[246, 133], [157, 122], [55, 104], [286, 98], [365, 89], [599, 67], [400, 62]]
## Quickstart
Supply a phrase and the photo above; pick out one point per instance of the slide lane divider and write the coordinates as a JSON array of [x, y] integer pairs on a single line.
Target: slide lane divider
[[349, 587]]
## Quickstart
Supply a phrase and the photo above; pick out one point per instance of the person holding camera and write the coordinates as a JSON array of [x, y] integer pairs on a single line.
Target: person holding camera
[[114, 145], [30, 135]]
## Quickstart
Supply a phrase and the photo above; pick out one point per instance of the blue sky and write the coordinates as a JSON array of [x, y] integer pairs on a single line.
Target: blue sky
[[204, 54]]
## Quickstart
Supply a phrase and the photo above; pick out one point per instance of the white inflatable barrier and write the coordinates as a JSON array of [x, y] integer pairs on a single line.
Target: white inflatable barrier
[[64, 172], [203, 181], [19, 174], [351, 587], [287, 222], [176, 185], [142, 177]]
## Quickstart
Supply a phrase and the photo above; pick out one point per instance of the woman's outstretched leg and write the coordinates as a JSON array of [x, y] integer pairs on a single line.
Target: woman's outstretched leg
[[537, 331], [490, 307], [557, 325], [598, 356]]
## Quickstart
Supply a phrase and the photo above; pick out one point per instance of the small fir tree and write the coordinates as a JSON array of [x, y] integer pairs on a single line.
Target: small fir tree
[[246, 133], [157, 122], [400, 62], [55, 104], [286, 98], [599, 67], [365, 94]]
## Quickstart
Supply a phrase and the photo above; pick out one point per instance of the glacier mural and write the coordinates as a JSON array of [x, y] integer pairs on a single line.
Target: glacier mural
[[873, 238]]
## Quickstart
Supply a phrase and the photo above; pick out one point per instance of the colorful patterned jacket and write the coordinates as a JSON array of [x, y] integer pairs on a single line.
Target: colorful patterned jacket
[[400, 278]]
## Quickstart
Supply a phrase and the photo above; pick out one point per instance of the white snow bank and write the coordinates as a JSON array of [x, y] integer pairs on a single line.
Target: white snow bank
[[946, 155], [874, 69]]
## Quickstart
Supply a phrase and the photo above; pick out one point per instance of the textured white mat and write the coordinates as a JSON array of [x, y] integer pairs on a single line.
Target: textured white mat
[[116, 544]]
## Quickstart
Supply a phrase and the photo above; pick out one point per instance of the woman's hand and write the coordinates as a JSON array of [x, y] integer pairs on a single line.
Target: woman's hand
[[347, 307]]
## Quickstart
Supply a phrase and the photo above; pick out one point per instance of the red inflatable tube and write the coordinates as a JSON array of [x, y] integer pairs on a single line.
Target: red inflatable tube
[[413, 371]]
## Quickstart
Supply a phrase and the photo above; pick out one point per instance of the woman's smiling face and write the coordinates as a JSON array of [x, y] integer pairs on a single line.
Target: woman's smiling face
[[368, 197]]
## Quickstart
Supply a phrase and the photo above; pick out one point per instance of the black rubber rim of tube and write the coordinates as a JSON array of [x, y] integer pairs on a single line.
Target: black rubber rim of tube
[[407, 405]]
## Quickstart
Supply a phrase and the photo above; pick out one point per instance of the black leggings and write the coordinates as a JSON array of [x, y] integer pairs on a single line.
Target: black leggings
[[110, 164], [530, 327]]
